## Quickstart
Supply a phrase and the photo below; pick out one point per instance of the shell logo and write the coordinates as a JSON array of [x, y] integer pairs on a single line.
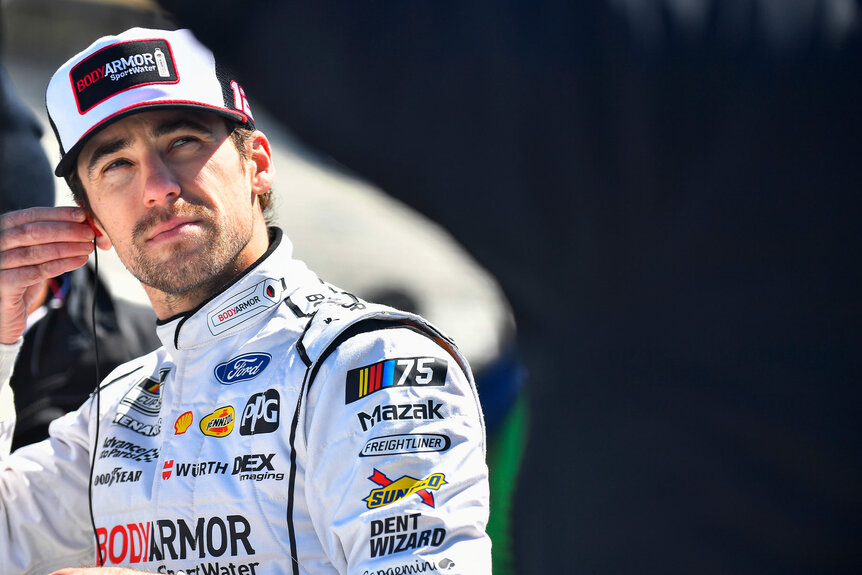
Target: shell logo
[[219, 423], [183, 423]]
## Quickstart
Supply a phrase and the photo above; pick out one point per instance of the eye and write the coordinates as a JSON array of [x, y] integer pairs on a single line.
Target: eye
[[113, 164], [181, 141]]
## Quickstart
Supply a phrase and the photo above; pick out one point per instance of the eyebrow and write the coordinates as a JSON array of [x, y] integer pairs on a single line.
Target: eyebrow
[[161, 130], [180, 124], [104, 150]]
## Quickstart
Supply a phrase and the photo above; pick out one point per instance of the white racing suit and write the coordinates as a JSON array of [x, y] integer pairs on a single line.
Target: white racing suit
[[285, 427]]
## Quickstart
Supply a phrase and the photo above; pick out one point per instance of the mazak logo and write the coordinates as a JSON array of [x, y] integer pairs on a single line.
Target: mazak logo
[[405, 486], [404, 411], [175, 539], [403, 372], [121, 67], [245, 305], [242, 368], [404, 444], [402, 533], [218, 423], [261, 413]]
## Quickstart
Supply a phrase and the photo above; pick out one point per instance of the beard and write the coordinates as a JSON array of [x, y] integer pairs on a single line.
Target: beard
[[205, 262]]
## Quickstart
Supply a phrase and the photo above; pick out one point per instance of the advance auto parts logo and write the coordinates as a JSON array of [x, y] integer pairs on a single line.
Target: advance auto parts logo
[[245, 305], [405, 486], [121, 67], [219, 423]]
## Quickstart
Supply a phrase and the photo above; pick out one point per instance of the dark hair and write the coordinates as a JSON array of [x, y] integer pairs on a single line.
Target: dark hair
[[239, 135]]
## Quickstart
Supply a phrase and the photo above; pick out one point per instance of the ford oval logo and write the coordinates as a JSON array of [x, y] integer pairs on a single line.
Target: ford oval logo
[[241, 368]]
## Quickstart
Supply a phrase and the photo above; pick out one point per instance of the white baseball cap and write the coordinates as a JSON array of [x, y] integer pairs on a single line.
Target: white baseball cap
[[138, 70]]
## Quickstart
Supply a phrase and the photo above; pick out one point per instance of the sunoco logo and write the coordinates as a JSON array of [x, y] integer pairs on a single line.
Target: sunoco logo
[[242, 368], [405, 486]]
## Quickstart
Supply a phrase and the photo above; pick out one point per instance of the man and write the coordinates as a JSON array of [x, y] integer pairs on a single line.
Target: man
[[285, 426]]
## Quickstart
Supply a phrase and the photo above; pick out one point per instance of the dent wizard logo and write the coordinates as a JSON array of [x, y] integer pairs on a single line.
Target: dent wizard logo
[[242, 367], [405, 486]]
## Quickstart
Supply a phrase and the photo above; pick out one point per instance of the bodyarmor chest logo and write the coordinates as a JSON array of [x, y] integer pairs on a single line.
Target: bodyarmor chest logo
[[245, 305]]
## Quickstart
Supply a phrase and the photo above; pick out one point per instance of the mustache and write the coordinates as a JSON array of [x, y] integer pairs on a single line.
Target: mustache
[[162, 214]]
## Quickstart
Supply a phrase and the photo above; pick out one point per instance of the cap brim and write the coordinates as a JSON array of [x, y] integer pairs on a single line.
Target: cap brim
[[69, 159]]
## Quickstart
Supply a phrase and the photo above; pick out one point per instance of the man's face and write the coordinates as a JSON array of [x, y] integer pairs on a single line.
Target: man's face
[[175, 199]]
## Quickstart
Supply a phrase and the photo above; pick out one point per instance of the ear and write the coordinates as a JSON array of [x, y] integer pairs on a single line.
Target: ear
[[102, 239], [263, 170]]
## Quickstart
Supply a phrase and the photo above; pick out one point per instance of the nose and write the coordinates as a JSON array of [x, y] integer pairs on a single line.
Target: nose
[[161, 185]]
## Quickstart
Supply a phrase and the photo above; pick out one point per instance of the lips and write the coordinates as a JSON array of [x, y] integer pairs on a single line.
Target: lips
[[169, 228]]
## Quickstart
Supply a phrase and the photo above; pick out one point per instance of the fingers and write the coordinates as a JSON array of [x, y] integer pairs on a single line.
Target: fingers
[[36, 226], [38, 255]]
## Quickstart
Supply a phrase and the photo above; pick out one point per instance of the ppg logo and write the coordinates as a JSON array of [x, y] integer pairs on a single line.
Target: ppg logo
[[261, 413], [241, 368]]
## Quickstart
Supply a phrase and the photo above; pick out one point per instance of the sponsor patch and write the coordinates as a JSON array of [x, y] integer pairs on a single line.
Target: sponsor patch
[[196, 469], [418, 566], [121, 67], [261, 413], [145, 397], [183, 422], [404, 444], [405, 411], [117, 475], [402, 533], [218, 423], [113, 447], [175, 539], [241, 368], [245, 305], [402, 372], [405, 486]]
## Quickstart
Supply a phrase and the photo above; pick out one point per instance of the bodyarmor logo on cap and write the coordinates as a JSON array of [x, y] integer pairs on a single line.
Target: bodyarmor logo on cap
[[245, 305], [120, 67], [218, 423]]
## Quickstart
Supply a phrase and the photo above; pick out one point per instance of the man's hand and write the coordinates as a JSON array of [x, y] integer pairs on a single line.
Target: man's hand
[[37, 244]]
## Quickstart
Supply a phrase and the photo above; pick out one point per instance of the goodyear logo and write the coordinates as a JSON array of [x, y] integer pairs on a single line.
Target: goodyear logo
[[218, 423], [403, 487]]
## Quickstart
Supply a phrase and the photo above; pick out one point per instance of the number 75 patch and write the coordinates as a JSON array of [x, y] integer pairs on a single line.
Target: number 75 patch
[[402, 372]]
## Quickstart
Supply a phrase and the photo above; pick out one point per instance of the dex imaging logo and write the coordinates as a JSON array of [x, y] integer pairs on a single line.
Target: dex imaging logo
[[261, 413]]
